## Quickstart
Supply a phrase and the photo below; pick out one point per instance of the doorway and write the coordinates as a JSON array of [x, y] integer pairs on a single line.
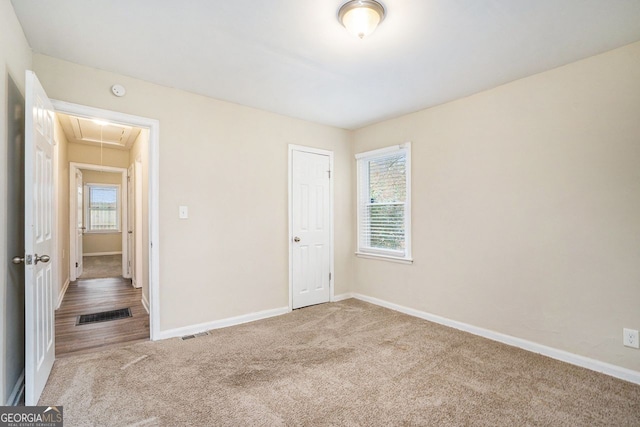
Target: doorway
[[148, 200], [98, 221], [310, 226], [13, 310]]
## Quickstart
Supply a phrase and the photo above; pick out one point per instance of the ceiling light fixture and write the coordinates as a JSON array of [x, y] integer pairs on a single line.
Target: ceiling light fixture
[[361, 17], [100, 122]]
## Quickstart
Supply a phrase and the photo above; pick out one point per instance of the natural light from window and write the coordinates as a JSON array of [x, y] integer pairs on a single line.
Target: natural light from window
[[384, 190], [102, 208]]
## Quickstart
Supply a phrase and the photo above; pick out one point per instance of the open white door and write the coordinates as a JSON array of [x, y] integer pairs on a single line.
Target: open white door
[[138, 242], [39, 242], [311, 220], [130, 225], [79, 227]]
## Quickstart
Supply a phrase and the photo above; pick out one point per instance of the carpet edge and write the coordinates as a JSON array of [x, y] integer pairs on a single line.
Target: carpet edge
[[554, 353]]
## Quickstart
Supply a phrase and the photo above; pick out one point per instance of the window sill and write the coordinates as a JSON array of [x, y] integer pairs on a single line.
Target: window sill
[[385, 258]]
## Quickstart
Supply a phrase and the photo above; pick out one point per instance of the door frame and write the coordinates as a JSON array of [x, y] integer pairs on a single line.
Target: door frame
[[153, 126], [73, 210], [137, 218], [302, 148], [73, 226]]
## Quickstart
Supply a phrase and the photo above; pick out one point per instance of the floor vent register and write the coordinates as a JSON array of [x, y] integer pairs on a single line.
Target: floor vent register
[[104, 316]]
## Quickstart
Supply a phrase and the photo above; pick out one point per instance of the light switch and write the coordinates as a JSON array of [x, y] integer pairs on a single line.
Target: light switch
[[183, 212]]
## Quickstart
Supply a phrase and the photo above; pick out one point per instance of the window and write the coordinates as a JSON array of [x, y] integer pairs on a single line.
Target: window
[[102, 208], [384, 203]]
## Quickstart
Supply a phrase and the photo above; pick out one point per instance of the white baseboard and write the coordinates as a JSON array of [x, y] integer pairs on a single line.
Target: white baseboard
[[16, 393], [222, 323], [554, 353], [63, 291], [342, 297], [102, 253], [145, 303]]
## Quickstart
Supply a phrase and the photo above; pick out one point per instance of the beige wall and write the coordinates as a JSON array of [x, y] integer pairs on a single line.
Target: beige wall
[[228, 164], [15, 58], [62, 207], [140, 151], [101, 243], [97, 177], [91, 154], [95, 243], [526, 208]]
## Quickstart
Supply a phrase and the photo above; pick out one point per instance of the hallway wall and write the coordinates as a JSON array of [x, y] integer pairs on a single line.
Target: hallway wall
[[62, 209], [140, 150], [93, 155]]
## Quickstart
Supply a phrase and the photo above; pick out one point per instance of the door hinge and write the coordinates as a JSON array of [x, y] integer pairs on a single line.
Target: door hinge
[[329, 174], [329, 276], [76, 265]]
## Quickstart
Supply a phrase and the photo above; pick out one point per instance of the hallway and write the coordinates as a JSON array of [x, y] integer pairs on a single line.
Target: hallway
[[87, 296]]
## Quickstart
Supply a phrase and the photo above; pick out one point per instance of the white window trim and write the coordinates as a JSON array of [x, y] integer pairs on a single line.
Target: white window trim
[[118, 211], [372, 253]]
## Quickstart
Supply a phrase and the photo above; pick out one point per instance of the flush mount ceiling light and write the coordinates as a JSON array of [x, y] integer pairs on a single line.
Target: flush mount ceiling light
[[361, 17]]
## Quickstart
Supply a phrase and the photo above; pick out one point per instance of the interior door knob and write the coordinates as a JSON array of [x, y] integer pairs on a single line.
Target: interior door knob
[[43, 258], [17, 260], [296, 239]]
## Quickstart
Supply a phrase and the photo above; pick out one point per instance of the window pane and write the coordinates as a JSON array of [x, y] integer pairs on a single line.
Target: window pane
[[103, 208], [387, 182]]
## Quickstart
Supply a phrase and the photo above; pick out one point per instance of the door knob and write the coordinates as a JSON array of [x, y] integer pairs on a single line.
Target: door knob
[[17, 260], [43, 258], [296, 239]]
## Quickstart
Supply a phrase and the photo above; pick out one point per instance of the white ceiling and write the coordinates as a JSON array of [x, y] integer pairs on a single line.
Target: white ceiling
[[98, 133], [293, 57]]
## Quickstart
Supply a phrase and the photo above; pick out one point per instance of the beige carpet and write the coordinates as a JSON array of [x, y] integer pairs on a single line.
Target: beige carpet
[[345, 364], [100, 267]]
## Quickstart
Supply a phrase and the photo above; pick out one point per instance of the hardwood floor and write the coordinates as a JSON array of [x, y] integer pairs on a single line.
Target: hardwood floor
[[93, 296]]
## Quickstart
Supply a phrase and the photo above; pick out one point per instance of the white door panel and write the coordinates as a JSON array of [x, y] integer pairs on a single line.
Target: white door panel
[[138, 243], [79, 222], [130, 227], [311, 229], [39, 242]]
